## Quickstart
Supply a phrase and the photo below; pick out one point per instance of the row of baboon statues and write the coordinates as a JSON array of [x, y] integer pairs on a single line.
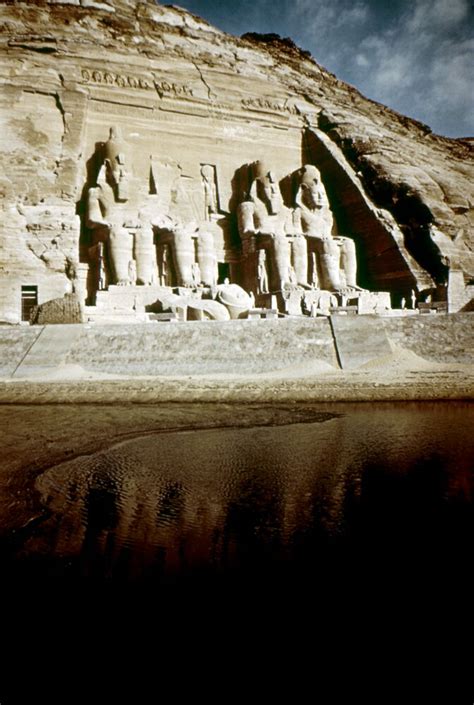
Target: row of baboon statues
[[281, 248]]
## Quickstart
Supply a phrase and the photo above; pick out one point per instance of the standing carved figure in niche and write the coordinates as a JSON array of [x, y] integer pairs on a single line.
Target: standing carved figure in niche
[[211, 205], [336, 255], [265, 218]]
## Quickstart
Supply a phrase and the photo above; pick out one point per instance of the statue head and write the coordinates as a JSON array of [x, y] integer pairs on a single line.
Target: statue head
[[311, 190], [114, 160], [207, 172], [267, 188], [310, 173], [114, 145]]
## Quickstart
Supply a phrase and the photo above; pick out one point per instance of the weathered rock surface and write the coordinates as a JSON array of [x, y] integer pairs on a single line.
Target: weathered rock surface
[[185, 95], [67, 309]]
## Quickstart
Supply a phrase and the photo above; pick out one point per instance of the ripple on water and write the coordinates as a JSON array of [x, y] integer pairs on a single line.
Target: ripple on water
[[227, 501]]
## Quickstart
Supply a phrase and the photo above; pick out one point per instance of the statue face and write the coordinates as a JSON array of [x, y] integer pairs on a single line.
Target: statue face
[[269, 192], [313, 193]]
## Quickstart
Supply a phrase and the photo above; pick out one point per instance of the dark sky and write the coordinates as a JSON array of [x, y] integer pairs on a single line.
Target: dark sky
[[417, 56]]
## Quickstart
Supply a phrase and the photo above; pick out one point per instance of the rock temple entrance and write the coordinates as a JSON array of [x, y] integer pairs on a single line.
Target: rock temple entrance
[[198, 246]]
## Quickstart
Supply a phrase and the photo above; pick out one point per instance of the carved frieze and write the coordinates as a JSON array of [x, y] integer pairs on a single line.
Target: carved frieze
[[164, 87], [120, 80], [266, 104]]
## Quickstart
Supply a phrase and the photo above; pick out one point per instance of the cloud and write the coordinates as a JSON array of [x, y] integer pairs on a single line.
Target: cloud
[[320, 16], [437, 13], [362, 60], [356, 14], [428, 76], [451, 93]]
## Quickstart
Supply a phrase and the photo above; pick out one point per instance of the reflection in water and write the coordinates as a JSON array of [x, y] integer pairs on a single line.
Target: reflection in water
[[382, 487]]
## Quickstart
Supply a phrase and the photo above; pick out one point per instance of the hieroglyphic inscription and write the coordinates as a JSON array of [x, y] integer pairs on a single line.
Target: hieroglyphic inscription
[[108, 78], [164, 87], [269, 104], [174, 88]]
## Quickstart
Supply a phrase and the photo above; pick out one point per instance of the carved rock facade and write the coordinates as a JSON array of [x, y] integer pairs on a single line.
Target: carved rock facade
[[148, 155]]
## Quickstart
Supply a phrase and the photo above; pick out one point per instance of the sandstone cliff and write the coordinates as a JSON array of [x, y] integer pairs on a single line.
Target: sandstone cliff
[[186, 94]]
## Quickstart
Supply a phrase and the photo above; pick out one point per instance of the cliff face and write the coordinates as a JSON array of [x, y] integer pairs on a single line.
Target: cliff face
[[184, 96]]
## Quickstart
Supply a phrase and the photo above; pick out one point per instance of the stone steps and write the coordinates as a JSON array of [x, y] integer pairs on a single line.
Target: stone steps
[[92, 314]]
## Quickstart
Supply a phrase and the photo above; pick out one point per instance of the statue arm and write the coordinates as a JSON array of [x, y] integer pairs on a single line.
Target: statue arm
[[299, 198], [95, 218], [246, 219], [253, 191]]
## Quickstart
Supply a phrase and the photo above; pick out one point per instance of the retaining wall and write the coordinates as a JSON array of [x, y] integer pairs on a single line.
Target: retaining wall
[[231, 347]]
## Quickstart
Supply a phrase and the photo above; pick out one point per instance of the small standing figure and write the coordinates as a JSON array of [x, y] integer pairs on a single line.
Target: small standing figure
[[413, 299], [292, 277], [132, 272], [314, 271], [163, 269], [196, 274], [262, 274], [100, 266], [210, 191], [403, 303]]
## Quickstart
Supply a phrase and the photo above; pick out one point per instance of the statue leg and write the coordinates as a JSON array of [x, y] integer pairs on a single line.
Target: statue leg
[[121, 252], [206, 257], [348, 260], [282, 262], [145, 255], [183, 256], [328, 255], [300, 260]]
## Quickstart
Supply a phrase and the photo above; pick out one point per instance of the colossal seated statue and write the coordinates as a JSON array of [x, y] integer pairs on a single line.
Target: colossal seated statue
[[265, 219], [187, 226], [335, 255], [107, 222], [125, 231]]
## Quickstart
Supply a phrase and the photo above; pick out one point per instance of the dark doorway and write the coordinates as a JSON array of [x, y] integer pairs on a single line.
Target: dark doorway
[[224, 272], [29, 299]]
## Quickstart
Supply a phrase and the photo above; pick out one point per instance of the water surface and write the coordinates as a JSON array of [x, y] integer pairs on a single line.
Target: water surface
[[379, 491]]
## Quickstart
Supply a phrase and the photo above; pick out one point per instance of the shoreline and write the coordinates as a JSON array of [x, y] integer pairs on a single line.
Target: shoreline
[[386, 383]]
